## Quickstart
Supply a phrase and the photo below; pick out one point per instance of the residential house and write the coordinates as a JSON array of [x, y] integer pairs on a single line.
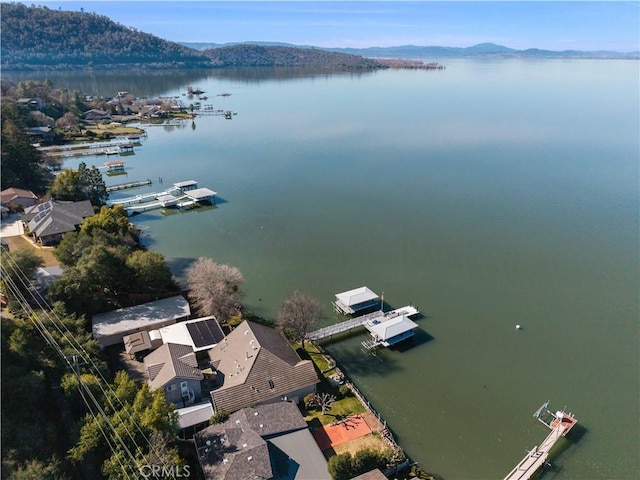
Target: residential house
[[33, 103], [174, 367], [49, 221], [263, 442], [201, 333], [109, 328], [255, 364], [38, 135], [12, 197], [95, 115]]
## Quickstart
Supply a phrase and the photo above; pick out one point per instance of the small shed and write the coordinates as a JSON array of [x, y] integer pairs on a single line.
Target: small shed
[[356, 300]]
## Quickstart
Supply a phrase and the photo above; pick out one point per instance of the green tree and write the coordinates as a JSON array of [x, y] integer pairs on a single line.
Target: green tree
[[113, 220], [151, 273], [340, 467], [22, 164], [81, 184], [38, 470], [19, 268], [67, 186], [299, 314], [140, 424], [92, 184], [215, 288], [95, 282]]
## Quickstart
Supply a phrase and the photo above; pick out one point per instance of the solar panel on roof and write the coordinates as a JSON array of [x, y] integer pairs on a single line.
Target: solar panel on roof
[[205, 333]]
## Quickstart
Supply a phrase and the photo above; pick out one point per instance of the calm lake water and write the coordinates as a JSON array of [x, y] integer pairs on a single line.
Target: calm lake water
[[490, 194]]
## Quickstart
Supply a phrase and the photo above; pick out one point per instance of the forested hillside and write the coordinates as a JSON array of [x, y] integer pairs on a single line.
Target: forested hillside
[[278, 56], [40, 38]]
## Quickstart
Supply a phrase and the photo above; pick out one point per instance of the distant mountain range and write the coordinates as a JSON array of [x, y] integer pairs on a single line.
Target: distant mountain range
[[436, 52]]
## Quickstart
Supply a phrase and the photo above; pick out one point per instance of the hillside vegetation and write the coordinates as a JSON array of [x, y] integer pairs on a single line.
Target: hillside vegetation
[[38, 38], [279, 56]]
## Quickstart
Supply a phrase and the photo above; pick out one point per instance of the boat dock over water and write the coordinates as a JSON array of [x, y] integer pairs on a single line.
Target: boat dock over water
[[386, 328], [560, 424], [181, 195]]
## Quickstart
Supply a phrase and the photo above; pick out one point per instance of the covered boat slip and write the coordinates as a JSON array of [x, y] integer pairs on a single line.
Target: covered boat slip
[[356, 300], [389, 330]]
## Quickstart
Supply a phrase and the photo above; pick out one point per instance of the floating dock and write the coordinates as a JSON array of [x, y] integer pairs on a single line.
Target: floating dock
[[560, 424]]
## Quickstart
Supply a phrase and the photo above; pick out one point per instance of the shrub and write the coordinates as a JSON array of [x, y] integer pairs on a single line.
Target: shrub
[[219, 417], [310, 402], [340, 467], [345, 391]]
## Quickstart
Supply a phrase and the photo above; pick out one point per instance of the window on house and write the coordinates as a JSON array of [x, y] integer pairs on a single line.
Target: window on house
[[271, 384], [171, 388]]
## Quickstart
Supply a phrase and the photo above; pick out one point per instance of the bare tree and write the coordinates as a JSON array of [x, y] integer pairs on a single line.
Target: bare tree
[[299, 313], [68, 120], [215, 288], [324, 401]]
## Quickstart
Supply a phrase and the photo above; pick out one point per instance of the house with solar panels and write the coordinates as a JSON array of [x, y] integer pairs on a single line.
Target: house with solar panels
[[200, 334], [49, 221]]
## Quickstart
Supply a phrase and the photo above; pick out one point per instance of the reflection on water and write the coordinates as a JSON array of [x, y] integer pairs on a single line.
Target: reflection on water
[[489, 194]]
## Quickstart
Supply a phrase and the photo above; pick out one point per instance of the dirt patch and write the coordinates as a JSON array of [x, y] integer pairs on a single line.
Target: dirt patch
[[23, 241], [372, 441]]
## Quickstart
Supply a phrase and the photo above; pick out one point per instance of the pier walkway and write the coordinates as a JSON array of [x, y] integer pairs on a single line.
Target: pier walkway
[[348, 325], [538, 456]]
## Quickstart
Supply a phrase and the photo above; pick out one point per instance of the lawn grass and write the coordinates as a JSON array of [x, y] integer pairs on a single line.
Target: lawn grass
[[45, 252], [340, 409], [320, 359]]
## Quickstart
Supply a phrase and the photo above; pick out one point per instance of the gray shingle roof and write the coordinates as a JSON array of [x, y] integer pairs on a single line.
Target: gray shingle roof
[[170, 361], [54, 217], [236, 449], [256, 364]]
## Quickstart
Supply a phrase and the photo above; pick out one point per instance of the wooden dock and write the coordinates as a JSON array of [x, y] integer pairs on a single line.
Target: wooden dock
[[538, 456], [124, 186]]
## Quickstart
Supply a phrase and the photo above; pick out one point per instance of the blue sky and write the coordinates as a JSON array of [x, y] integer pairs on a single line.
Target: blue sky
[[540, 24]]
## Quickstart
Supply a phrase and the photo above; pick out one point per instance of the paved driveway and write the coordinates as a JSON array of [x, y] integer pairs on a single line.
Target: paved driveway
[[11, 227]]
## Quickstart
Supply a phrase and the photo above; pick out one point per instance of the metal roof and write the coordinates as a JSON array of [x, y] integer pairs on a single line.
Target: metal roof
[[187, 183], [201, 193], [356, 296], [141, 317], [389, 328]]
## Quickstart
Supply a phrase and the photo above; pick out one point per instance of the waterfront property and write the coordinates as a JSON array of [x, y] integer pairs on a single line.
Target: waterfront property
[[174, 367], [49, 221], [255, 364], [266, 441], [356, 300], [110, 328], [560, 424], [200, 333]]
